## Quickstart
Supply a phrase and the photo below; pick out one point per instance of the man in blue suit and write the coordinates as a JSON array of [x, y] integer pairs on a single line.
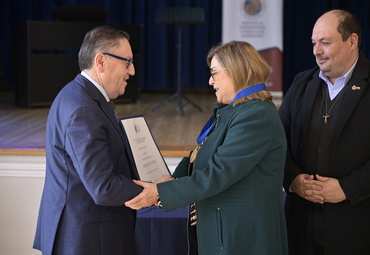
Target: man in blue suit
[[89, 166]]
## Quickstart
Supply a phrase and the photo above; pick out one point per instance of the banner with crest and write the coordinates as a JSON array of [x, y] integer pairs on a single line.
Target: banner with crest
[[259, 22]]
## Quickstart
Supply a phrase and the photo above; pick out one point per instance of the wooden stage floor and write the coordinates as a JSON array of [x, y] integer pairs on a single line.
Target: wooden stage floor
[[22, 130]]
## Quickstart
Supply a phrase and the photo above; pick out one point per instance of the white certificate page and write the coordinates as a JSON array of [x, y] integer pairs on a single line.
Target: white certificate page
[[148, 159]]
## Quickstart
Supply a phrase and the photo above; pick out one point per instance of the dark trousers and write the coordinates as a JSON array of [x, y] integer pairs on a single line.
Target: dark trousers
[[315, 231], [193, 242]]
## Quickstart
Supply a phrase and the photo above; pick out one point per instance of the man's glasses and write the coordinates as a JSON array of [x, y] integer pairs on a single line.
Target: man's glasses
[[214, 72], [128, 60]]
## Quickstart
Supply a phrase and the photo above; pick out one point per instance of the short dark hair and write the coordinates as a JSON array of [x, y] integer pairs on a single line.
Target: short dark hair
[[98, 39], [347, 25]]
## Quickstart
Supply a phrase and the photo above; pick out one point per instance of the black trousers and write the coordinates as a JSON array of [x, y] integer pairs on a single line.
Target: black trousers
[[314, 230]]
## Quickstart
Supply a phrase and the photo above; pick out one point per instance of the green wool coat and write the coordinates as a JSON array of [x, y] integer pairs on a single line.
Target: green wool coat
[[236, 183]]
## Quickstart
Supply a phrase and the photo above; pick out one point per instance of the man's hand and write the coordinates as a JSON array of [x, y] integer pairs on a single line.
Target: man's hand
[[331, 189], [322, 190], [146, 198], [308, 188]]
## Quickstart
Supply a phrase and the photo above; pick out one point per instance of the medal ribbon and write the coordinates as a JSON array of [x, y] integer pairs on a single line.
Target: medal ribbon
[[243, 93]]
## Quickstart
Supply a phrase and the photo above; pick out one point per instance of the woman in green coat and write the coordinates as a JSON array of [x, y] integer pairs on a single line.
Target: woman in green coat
[[233, 178]]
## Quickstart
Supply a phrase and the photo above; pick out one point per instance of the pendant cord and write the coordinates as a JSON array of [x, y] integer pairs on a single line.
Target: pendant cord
[[327, 116]]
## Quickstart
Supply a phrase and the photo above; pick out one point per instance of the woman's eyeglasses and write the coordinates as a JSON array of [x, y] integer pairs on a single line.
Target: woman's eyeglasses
[[213, 72]]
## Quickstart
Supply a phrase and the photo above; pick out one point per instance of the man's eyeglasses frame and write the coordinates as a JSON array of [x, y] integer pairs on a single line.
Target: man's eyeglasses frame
[[128, 60]]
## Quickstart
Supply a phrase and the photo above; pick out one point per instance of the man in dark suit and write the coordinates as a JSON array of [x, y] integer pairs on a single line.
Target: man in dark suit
[[326, 116], [89, 166]]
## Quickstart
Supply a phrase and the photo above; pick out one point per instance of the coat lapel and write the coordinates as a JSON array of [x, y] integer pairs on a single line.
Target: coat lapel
[[313, 88], [355, 89], [351, 96], [101, 102], [107, 110]]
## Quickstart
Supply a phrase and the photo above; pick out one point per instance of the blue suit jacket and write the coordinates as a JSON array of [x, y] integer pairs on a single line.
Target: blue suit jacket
[[89, 172]]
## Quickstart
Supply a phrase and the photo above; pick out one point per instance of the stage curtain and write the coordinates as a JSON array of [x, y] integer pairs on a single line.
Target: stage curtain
[[159, 41], [159, 55]]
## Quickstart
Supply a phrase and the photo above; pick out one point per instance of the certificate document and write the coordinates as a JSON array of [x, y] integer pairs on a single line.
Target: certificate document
[[148, 159]]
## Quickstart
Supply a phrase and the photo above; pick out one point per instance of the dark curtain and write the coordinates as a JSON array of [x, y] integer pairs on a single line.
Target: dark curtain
[[159, 52], [158, 63]]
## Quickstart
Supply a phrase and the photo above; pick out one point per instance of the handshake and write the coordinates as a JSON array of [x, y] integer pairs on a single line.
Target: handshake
[[149, 196]]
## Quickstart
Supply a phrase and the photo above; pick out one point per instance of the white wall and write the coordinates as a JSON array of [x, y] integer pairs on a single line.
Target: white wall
[[21, 184]]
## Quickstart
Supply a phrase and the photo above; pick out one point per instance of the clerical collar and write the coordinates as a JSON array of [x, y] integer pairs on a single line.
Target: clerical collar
[[97, 85]]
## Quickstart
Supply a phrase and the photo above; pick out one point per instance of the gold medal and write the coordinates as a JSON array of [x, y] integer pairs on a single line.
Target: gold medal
[[194, 154]]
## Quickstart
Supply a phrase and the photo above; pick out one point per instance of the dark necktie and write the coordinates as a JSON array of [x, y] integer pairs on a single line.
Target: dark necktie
[[114, 109]]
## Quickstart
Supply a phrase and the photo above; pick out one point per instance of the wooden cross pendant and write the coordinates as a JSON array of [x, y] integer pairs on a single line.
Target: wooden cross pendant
[[326, 117]]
